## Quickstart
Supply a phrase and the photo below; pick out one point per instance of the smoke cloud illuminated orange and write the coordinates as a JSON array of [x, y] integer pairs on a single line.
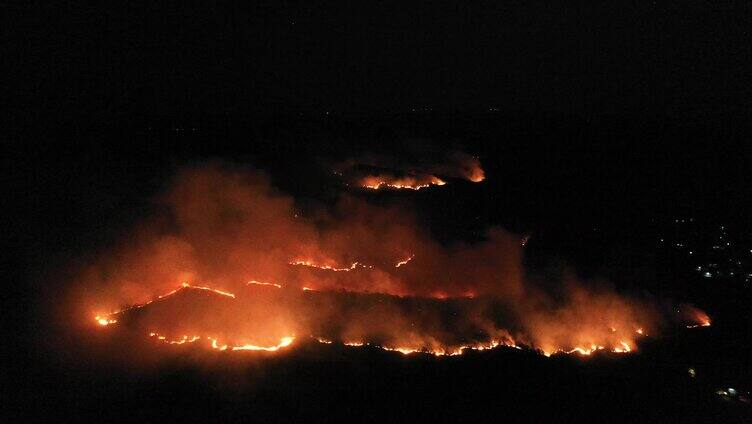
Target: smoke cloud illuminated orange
[[228, 262]]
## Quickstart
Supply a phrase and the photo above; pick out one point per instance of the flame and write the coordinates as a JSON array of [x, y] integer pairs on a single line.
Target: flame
[[220, 292], [472, 168], [624, 348], [106, 319], [436, 351], [477, 175], [620, 346], [283, 342], [376, 182], [700, 318], [404, 261], [215, 344], [312, 264], [260, 283], [182, 340], [394, 173]]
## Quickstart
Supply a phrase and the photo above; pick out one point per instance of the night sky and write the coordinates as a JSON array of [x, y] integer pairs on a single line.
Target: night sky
[[167, 58]]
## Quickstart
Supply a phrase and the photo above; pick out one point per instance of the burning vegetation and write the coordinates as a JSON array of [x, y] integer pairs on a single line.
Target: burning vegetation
[[375, 173], [229, 264]]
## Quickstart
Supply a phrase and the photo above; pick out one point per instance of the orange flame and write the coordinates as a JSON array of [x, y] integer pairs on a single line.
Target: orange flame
[[397, 183], [283, 342], [404, 261], [260, 283], [699, 317], [312, 264], [620, 346], [106, 319]]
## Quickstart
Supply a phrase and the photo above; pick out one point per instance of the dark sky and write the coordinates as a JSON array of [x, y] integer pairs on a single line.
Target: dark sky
[[167, 58]]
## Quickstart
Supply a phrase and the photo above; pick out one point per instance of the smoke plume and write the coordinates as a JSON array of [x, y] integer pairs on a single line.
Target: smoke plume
[[355, 273]]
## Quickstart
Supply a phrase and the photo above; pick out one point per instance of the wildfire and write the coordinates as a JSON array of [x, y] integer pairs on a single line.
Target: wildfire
[[283, 342], [622, 347], [104, 321], [404, 261], [398, 183], [476, 174], [700, 318], [182, 340], [436, 351], [108, 319], [453, 299], [383, 172], [619, 346], [260, 283], [220, 292], [327, 267], [214, 344]]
